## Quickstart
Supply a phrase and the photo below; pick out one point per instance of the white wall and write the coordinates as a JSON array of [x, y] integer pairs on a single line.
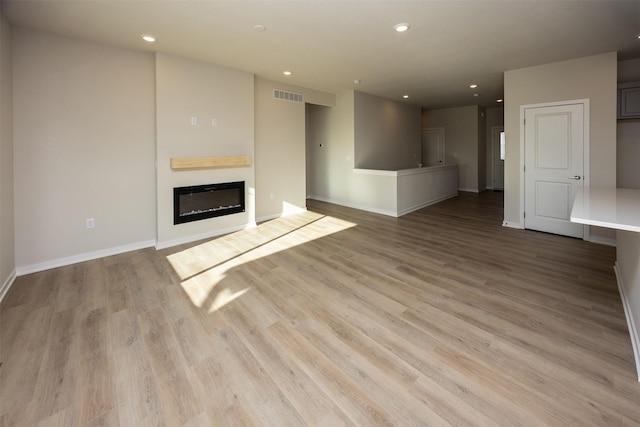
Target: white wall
[[83, 146], [330, 159], [387, 133], [628, 274], [280, 142], [184, 89], [332, 143], [330, 150], [7, 241], [461, 141], [592, 78], [92, 121]]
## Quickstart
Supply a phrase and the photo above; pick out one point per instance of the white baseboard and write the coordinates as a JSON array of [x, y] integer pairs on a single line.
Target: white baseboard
[[383, 211], [7, 284], [195, 237], [355, 206], [633, 332], [509, 224], [60, 262], [469, 190], [602, 241], [280, 215], [269, 217], [424, 205]]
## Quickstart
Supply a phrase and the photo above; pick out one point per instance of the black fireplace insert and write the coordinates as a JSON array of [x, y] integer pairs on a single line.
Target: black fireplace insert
[[199, 202]]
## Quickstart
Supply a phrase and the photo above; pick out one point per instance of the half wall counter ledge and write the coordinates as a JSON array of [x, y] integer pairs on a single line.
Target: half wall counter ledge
[[398, 192], [619, 209], [184, 163]]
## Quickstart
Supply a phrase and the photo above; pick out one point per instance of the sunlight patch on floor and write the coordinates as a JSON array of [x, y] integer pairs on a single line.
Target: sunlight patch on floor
[[203, 268]]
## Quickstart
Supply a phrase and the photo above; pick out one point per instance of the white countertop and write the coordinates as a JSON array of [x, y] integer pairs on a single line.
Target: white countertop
[[425, 169], [617, 208]]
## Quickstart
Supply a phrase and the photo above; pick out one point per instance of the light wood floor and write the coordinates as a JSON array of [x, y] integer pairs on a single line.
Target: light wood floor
[[333, 317]]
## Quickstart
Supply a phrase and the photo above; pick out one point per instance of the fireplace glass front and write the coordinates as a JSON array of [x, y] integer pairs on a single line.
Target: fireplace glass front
[[199, 202]]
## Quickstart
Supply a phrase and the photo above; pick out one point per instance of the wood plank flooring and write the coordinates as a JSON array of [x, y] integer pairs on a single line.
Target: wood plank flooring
[[328, 318]]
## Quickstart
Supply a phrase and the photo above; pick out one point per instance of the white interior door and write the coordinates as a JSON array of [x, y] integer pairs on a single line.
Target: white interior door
[[433, 147], [554, 167]]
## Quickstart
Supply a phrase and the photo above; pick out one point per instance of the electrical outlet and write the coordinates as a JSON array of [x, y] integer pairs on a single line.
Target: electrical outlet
[[272, 196], [91, 223], [194, 121]]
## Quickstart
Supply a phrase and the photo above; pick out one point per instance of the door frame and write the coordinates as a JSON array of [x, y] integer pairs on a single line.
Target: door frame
[[494, 130], [585, 153]]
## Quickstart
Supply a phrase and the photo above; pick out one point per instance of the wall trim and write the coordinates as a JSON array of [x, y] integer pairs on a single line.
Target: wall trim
[[208, 235], [633, 333], [603, 241], [7, 284], [355, 206], [469, 190], [270, 217], [518, 225], [279, 215], [429, 203], [88, 256]]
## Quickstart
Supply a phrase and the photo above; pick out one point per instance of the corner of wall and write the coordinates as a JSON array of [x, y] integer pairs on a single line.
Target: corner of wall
[[4, 288], [7, 218]]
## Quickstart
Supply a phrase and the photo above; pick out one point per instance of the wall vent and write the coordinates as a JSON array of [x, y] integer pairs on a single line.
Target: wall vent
[[288, 96]]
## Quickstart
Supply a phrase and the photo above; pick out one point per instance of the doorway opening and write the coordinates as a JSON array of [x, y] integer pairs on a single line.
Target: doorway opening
[[497, 157]]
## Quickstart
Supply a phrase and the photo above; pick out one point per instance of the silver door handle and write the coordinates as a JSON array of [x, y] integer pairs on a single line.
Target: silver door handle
[[575, 177]]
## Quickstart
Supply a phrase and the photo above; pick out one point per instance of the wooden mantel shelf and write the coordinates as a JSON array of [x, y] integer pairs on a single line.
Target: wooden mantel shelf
[[178, 163]]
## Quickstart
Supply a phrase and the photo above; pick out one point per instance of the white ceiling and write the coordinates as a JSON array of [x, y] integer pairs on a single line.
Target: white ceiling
[[329, 43]]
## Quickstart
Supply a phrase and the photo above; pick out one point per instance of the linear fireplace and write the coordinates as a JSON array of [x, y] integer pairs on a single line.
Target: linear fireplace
[[207, 201]]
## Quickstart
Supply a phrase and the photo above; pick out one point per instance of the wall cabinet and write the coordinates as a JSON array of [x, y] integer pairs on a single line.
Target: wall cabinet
[[629, 101]]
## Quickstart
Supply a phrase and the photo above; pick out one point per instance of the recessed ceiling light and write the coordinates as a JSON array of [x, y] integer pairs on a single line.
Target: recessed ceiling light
[[473, 86], [259, 28], [149, 38], [405, 96], [499, 100], [401, 28], [287, 73]]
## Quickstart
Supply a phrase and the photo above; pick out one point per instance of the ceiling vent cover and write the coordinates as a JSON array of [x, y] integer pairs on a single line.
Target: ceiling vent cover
[[288, 96]]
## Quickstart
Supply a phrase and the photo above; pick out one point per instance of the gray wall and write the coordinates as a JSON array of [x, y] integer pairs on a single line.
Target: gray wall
[[387, 133], [280, 145], [462, 141], [494, 118], [592, 78], [7, 251], [84, 147], [628, 134], [360, 131], [482, 149], [89, 121]]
